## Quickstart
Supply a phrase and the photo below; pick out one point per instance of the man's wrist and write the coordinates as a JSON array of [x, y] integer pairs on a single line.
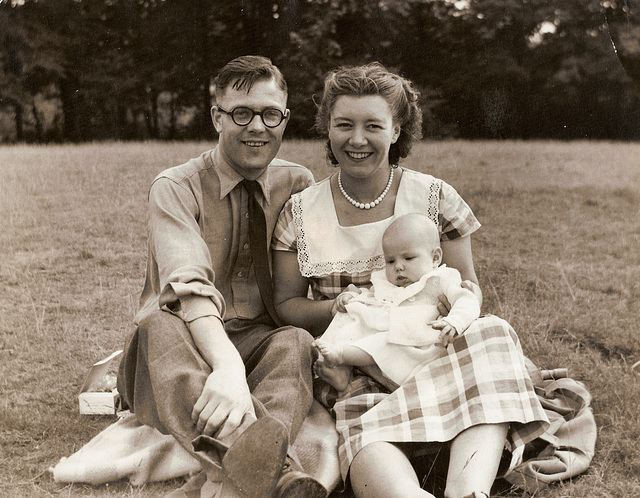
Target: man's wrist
[[211, 339]]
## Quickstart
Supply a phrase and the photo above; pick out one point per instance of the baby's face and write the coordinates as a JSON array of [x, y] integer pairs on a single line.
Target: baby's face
[[407, 259]]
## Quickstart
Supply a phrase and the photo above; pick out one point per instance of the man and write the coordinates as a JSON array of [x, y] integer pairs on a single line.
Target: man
[[207, 359]]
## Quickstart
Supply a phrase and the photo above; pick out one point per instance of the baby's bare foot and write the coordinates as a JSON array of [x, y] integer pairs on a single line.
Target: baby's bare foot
[[331, 353], [337, 376]]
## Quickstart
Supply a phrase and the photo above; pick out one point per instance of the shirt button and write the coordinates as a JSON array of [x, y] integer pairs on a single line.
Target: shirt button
[[240, 274], [246, 246], [246, 215]]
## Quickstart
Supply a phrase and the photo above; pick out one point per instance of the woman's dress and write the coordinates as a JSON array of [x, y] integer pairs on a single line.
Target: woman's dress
[[482, 379]]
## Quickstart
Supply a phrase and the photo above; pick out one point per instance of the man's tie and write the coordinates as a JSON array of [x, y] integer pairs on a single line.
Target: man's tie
[[258, 243]]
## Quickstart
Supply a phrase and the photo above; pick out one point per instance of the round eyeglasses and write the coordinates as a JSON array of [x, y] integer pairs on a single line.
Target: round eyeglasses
[[242, 116]]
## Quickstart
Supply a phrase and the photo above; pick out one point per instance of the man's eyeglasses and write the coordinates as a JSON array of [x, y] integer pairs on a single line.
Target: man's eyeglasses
[[242, 116]]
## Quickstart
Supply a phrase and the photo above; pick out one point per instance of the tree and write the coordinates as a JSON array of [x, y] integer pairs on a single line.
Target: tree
[[485, 68], [623, 24], [29, 62]]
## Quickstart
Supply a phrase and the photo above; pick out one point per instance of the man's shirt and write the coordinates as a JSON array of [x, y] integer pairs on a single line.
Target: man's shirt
[[199, 258]]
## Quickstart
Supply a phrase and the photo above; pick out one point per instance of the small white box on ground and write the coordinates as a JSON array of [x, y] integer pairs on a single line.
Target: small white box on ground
[[92, 400]]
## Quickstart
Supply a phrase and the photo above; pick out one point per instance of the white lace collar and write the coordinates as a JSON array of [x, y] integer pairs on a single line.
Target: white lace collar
[[326, 247]]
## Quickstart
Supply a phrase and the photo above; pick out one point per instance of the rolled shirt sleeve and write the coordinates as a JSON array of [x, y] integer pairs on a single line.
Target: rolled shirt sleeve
[[199, 257], [180, 253]]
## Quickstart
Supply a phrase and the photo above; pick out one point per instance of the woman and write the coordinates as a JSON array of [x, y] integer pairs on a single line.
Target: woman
[[479, 397]]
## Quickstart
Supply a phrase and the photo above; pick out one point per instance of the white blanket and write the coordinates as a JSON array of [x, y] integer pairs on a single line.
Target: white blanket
[[128, 449]]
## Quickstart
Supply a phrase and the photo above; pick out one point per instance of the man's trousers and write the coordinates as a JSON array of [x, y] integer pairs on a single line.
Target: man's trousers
[[162, 375]]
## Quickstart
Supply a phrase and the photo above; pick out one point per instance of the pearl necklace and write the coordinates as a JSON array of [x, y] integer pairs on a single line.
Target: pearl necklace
[[368, 205]]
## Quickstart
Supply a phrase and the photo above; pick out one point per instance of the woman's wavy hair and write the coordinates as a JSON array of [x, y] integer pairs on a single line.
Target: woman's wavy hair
[[374, 79]]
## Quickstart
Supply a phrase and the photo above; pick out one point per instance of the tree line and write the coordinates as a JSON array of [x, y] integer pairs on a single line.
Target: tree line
[[78, 70]]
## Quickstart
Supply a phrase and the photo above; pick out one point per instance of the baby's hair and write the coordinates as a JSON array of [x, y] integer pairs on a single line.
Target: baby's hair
[[418, 222]]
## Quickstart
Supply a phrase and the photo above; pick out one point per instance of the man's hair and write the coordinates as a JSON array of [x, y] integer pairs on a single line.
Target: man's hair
[[374, 79], [243, 72]]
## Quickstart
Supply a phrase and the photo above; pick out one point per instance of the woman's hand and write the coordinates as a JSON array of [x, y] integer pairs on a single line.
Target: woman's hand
[[340, 302], [456, 254], [473, 287], [444, 306]]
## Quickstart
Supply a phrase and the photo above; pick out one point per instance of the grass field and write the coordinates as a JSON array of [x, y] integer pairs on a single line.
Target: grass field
[[558, 257]]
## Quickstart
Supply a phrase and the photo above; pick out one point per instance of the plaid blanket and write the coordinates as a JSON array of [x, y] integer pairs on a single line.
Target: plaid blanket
[[483, 380]]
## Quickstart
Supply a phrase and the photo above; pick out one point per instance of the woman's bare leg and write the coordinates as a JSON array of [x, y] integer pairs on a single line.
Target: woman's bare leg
[[382, 470], [475, 457]]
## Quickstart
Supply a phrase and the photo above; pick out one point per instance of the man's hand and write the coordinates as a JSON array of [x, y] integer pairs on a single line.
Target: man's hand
[[340, 302], [225, 398], [447, 331], [224, 401]]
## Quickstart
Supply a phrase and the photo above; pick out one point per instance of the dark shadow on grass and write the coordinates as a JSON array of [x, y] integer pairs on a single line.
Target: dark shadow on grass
[[588, 340]]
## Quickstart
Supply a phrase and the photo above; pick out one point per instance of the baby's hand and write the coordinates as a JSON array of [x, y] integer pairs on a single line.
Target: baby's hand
[[447, 331], [340, 302]]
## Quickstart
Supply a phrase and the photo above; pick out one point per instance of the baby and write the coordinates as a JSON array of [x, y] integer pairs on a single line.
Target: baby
[[396, 324]]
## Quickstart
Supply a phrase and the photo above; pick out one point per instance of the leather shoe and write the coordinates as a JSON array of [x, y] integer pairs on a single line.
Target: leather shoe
[[294, 483], [254, 462]]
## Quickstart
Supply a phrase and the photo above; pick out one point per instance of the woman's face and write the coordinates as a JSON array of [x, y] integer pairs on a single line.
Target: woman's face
[[361, 131]]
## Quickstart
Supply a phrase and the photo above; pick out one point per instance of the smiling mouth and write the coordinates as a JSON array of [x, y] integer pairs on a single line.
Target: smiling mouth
[[358, 155], [253, 143]]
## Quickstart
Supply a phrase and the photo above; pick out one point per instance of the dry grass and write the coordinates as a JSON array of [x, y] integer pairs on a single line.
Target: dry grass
[[557, 257]]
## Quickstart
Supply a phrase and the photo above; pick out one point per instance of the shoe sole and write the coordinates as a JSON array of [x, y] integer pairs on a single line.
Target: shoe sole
[[254, 462], [298, 485]]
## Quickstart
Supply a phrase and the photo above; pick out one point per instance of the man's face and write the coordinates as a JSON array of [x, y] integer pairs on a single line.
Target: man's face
[[249, 149]]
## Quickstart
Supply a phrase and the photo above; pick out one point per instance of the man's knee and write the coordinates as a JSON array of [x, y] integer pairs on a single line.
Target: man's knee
[[157, 320], [298, 339], [294, 344], [160, 330]]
